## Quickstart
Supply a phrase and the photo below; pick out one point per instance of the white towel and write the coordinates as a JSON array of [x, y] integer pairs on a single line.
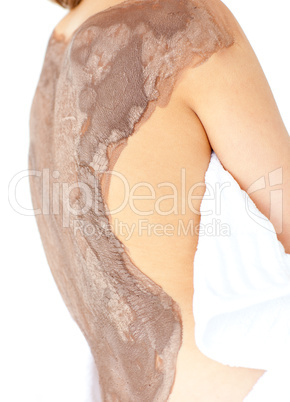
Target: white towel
[[241, 301], [272, 386]]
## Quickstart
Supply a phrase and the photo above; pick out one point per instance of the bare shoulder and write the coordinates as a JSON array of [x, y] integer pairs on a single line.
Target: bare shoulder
[[205, 24], [233, 100]]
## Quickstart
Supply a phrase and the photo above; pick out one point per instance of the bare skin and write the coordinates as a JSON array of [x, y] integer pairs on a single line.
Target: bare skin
[[187, 124]]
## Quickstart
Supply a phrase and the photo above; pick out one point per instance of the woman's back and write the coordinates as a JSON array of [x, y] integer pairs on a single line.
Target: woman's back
[[113, 97]]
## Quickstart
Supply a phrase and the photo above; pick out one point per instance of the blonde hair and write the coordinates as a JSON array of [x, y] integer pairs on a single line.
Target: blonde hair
[[67, 3]]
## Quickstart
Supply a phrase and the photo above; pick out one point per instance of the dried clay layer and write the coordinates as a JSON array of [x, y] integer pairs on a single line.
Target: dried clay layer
[[95, 90]]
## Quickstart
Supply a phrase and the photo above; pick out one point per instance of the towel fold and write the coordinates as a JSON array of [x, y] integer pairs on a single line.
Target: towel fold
[[241, 301]]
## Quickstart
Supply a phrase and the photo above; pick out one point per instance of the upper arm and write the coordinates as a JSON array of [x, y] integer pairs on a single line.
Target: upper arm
[[233, 100]]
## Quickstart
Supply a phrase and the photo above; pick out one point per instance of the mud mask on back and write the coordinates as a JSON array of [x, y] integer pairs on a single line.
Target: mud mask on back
[[94, 92]]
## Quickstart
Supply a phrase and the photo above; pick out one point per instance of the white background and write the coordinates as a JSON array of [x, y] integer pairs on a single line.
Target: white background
[[43, 355]]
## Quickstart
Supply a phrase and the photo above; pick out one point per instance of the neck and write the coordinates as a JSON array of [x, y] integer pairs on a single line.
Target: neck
[[80, 14], [95, 6]]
